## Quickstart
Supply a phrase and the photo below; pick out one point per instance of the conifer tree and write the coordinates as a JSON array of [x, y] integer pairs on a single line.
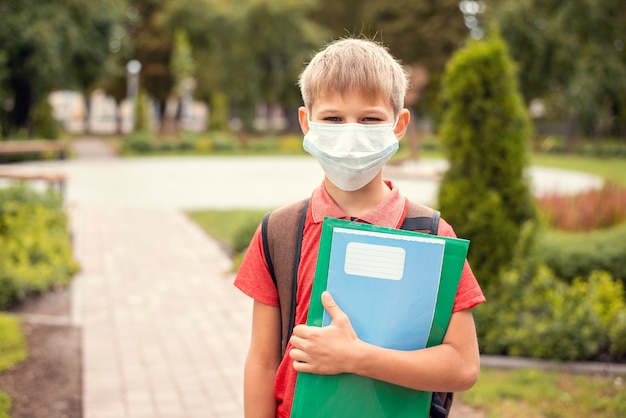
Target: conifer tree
[[142, 117], [485, 131]]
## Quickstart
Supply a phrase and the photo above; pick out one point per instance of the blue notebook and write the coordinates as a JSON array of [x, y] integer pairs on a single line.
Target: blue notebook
[[398, 288], [387, 284]]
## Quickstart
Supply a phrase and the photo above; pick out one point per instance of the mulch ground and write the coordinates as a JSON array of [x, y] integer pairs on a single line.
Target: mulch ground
[[48, 383]]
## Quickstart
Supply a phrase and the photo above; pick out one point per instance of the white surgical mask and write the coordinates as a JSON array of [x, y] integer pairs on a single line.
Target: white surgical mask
[[351, 154]]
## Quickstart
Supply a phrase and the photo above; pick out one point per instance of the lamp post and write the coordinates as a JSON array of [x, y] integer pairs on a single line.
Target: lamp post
[[133, 68]]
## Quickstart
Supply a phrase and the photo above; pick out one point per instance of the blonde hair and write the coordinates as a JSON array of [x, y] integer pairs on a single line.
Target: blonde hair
[[354, 65]]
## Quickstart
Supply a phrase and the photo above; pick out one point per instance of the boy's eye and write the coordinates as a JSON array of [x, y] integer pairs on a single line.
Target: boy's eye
[[340, 119]]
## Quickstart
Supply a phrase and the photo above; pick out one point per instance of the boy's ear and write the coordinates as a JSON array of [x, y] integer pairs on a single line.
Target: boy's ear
[[403, 123], [303, 118]]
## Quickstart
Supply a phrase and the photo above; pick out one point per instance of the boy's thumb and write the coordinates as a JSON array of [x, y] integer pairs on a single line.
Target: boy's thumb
[[330, 305]]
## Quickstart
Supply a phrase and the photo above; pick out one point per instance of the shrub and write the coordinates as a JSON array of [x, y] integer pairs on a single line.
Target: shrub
[[168, 145], [12, 342], [187, 142], [219, 112], [601, 208], [290, 144], [596, 147], [577, 254], [13, 349], [140, 142], [543, 317], [141, 114], [44, 124], [223, 141], [607, 148], [36, 250], [263, 144], [484, 132], [5, 405]]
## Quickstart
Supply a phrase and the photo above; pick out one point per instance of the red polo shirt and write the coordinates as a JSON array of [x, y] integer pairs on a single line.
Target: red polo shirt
[[253, 277]]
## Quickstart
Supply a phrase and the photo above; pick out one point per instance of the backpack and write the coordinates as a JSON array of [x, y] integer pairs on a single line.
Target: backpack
[[282, 255]]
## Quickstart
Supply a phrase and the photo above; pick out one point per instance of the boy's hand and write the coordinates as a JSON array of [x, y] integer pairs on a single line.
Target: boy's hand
[[326, 350]]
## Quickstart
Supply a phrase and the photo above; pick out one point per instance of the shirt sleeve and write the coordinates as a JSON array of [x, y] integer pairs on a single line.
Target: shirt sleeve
[[253, 277], [469, 294]]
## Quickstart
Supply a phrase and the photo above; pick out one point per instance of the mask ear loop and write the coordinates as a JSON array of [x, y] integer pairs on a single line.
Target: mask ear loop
[[395, 125]]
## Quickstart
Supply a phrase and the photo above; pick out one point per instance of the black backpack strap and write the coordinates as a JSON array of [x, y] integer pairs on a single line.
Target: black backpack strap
[[441, 404], [421, 218], [266, 246], [281, 235], [423, 223]]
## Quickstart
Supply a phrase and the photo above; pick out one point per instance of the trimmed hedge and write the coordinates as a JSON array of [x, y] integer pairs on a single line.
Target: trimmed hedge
[[36, 251], [544, 317], [208, 143], [577, 254], [572, 307]]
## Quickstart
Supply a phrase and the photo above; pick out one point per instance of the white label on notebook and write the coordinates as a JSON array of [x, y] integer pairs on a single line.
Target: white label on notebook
[[376, 261]]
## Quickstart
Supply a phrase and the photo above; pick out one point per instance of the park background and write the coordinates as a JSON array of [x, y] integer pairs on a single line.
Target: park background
[[495, 86]]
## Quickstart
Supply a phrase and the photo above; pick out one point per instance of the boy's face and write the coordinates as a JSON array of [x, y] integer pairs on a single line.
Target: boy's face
[[353, 108]]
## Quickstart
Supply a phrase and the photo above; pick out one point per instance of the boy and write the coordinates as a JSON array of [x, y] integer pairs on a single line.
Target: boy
[[352, 119]]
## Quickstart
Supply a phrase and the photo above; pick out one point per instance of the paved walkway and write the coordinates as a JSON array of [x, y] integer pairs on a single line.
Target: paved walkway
[[164, 330]]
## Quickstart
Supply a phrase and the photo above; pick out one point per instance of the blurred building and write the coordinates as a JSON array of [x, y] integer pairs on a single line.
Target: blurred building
[[102, 115]]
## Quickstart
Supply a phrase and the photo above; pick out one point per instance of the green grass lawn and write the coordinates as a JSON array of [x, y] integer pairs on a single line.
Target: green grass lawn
[[533, 393], [613, 169], [225, 225]]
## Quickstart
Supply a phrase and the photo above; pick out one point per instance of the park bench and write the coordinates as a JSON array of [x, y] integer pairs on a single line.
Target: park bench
[[37, 146], [55, 180]]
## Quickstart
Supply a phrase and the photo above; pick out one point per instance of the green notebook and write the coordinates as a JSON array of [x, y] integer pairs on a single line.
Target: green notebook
[[413, 278]]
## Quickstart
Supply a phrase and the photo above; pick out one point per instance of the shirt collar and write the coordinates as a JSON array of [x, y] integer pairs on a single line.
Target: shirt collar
[[389, 212]]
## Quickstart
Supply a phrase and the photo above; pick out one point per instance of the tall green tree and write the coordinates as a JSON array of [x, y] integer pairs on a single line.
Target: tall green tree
[[276, 41], [182, 62], [248, 54], [485, 132], [152, 42], [50, 45], [4, 94], [209, 25], [423, 33], [182, 67], [572, 55]]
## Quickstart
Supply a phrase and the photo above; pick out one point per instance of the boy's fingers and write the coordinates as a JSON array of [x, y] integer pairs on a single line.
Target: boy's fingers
[[300, 331], [297, 355]]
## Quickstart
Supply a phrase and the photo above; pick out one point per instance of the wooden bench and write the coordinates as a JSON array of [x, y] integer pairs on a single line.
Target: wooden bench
[[37, 146], [55, 180]]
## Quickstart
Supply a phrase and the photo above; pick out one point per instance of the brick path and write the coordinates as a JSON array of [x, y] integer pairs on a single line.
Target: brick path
[[164, 330]]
